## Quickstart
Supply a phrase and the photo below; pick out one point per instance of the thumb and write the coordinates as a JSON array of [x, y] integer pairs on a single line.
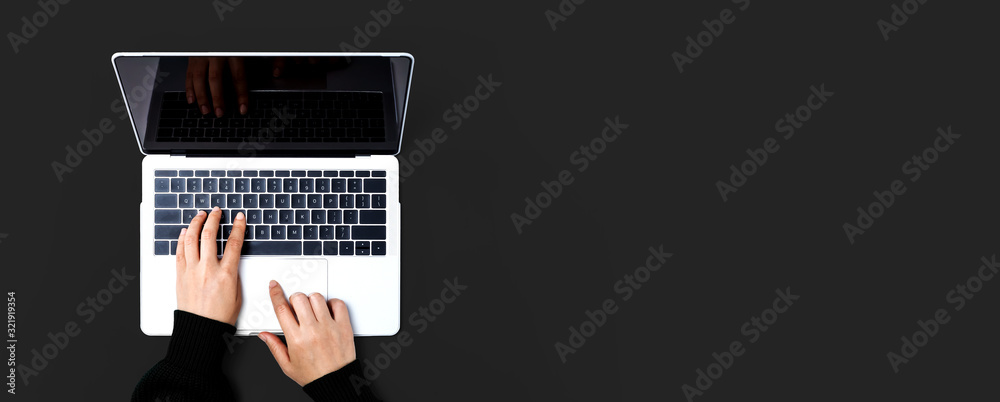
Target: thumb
[[277, 348]]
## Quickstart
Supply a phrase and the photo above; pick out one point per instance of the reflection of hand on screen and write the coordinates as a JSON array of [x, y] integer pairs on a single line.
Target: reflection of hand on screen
[[212, 69]]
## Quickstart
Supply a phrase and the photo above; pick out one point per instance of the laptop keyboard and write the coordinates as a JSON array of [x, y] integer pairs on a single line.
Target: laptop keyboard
[[321, 116], [288, 212]]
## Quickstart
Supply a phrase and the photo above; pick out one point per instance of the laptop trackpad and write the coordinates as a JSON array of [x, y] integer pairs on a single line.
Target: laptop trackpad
[[294, 275]]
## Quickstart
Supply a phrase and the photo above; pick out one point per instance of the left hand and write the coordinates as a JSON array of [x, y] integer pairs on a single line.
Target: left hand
[[206, 285]]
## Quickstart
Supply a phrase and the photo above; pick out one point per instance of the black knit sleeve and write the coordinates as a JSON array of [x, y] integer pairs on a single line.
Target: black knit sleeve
[[192, 369], [346, 384]]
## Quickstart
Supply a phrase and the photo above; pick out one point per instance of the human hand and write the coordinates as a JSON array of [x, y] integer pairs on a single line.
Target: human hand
[[319, 334], [206, 285], [213, 68]]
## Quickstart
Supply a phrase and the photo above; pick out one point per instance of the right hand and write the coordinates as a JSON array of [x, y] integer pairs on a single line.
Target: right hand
[[319, 334]]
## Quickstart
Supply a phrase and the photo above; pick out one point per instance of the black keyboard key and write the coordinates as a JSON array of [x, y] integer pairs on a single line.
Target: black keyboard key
[[314, 173], [226, 185], [277, 232], [362, 248], [217, 200], [346, 201], [286, 217], [161, 185], [194, 185], [312, 248], [368, 232], [362, 201], [165, 201], [378, 201], [234, 200], [326, 232], [378, 173], [346, 248], [242, 185], [298, 200], [343, 232], [258, 185], [254, 216], [262, 232], [185, 201], [167, 231], [282, 173], [294, 232], [267, 200], [249, 173], [363, 173], [373, 216], [306, 185], [378, 248], [298, 173], [218, 173], [201, 201], [290, 185], [188, 215], [314, 201], [185, 173], [318, 217], [330, 173], [322, 185], [338, 185], [351, 216], [161, 247], [234, 173], [310, 232], [374, 185], [346, 173], [329, 201], [329, 248], [272, 248], [165, 173], [210, 185], [266, 173], [176, 185], [200, 173], [274, 185], [250, 201], [167, 216], [302, 216]]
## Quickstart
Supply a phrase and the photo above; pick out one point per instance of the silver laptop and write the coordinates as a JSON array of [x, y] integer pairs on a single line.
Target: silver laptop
[[303, 143]]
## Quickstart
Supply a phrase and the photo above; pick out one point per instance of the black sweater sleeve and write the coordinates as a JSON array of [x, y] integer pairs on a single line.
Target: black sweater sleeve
[[346, 384], [192, 369]]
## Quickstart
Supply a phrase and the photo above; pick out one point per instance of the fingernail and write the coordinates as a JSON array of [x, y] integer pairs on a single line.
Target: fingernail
[[204, 109], [216, 209], [190, 99], [218, 112], [277, 71], [200, 213], [272, 284], [239, 216], [261, 337], [243, 109], [184, 230]]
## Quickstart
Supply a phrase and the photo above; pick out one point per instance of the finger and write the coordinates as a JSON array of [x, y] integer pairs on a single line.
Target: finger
[[189, 80], [240, 82], [181, 262], [279, 66], [210, 233], [339, 310], [231, 257], [303, 310], [200, 92], [319, 308], [215, 66], [277, 348], [191, 238], [281, 308]]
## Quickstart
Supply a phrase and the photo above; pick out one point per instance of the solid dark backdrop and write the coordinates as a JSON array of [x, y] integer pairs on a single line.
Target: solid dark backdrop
[[654, 186]]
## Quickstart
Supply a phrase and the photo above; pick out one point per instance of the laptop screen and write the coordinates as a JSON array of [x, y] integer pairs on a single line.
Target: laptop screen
[[266, 103]]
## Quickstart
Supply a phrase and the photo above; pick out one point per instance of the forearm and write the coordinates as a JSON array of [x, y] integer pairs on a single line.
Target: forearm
[[192, 368]]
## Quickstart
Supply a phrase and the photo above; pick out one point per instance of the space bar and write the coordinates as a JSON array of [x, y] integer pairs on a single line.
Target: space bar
[[272, 248]]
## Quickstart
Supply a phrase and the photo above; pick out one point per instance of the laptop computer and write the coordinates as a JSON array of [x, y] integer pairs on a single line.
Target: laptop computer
[[303, 144]]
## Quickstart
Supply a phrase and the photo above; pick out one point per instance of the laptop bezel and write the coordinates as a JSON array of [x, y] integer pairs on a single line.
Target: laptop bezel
[[402, 122]]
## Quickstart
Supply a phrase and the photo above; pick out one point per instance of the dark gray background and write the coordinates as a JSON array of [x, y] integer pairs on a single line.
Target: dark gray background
[[655, 185]]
